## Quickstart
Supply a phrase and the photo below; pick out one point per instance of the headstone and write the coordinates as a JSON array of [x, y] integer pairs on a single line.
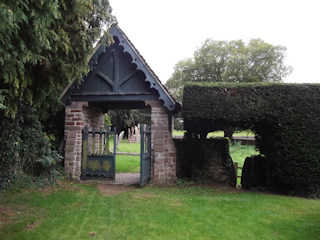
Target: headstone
[[135, 133], [132, 135], [129, 134], [138, 135], [119, 138]]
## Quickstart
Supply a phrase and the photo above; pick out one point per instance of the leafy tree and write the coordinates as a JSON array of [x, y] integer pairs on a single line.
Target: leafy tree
[[46, 44], [122, 119], [230, 61]]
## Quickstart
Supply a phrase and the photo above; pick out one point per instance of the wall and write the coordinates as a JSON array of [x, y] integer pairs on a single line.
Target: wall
[[163, 154], [208, 159], [163, 149], [77, 115]]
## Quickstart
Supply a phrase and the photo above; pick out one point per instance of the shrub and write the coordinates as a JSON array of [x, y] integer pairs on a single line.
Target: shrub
[[284, 117], [24, 149]]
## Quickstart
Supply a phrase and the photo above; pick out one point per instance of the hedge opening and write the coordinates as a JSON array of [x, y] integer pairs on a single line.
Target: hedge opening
[[284, 117]]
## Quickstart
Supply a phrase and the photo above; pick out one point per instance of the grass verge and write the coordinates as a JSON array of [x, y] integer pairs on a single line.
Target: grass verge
[[79, 211]]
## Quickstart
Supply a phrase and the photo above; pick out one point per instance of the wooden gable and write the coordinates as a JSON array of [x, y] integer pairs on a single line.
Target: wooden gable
[[119, 76]]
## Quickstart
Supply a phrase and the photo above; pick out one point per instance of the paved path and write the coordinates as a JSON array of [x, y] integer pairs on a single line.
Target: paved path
[[120, 179], [127, 178]]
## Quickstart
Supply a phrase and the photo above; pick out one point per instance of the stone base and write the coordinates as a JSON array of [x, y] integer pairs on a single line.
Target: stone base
[[164, 182]]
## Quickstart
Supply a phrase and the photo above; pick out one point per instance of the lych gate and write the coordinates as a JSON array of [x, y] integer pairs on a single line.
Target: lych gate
[[119, 78]]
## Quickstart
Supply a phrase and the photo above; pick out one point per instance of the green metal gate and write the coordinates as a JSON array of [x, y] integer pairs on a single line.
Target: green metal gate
[[98, 153], [145, 161]]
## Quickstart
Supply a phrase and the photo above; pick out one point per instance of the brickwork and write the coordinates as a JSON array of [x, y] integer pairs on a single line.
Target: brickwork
[[163, 149], [163, 152], [77, 115]]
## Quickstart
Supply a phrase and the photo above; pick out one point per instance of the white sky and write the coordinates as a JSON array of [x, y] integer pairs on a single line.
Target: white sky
[[167, 31]]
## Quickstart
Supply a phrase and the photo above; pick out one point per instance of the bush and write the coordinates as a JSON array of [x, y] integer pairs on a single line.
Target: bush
[[25, 150], [284, 117]]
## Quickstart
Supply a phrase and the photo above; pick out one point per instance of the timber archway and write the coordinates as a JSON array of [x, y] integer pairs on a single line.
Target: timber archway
[[120, 78]]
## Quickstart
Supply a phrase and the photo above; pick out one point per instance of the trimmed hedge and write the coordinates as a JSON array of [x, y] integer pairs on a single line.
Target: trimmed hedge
[[285, 118]]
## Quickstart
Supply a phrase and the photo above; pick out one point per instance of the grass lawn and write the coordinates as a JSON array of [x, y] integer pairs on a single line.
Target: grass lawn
[[126, 146], [128, 164], [79, 211], [218, 133], [131, 164]]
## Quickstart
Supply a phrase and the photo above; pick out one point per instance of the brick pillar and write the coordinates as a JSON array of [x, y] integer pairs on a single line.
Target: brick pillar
[[77, 115], [164, 152]]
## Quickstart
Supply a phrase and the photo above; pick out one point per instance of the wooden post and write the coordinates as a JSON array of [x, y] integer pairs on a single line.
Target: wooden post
[[84, 149], [107, 141], [235, 164], [100, 141], [114, 152], [93, 147]]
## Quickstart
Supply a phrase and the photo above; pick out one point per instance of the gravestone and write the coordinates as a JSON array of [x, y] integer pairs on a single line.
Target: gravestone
[[119, 139]]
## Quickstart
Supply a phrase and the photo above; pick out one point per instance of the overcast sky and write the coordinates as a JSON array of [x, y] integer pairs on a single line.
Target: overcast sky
[[167, 31]]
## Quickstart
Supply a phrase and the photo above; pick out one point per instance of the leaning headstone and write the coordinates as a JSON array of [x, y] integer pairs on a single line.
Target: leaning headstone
[[119, 138]]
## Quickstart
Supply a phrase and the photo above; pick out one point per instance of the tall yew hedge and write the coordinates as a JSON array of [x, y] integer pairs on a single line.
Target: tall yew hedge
[[284, 117]]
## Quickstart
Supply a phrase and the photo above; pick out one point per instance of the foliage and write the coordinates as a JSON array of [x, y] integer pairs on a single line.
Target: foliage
[[107, 120], [46, 44], [230, 61], [123, 119], [79, 211], [25, 150], [285, 118], [2, 97]]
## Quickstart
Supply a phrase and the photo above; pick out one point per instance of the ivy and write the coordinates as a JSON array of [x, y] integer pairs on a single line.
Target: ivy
[[24, 149]]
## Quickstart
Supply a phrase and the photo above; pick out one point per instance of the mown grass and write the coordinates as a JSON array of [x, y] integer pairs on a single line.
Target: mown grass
[[79, 211], [127, 164], [126, 146], [131, 164], [246, 133]]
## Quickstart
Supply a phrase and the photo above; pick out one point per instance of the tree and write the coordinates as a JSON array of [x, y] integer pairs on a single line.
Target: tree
[[230, 61], [44, 45], [122, 119]]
